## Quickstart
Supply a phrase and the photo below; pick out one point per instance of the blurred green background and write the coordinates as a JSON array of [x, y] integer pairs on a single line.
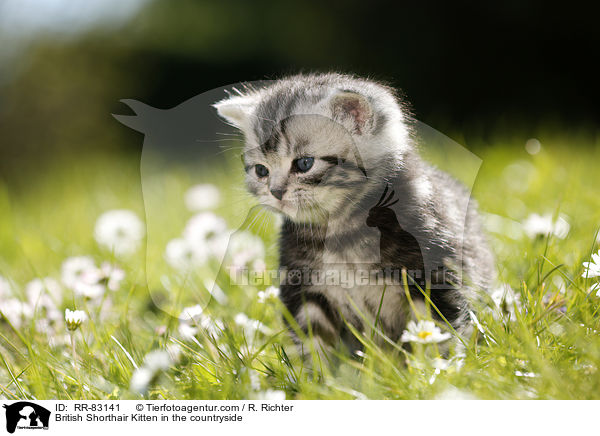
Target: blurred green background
[[471, 70]]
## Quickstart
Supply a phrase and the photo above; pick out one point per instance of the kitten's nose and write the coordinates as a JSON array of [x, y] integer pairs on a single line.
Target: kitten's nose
[[278, 193]]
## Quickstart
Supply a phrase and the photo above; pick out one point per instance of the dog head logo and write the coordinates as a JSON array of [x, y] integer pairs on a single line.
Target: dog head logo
[[26, 415]]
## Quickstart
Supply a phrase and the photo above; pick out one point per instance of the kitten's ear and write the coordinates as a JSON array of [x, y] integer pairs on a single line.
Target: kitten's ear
[[237, 110], [353, 110]]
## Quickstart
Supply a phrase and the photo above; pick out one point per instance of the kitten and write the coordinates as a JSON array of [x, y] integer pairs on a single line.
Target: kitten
[[363, 213]]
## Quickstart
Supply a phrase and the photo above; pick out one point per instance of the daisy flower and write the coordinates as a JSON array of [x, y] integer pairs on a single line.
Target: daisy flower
[[454, 394], [120, 231], [141, 379], [181, 254], [189, 314], [202, 197], [245, 249], [78, 269], [217, 246], [271, 395], [202, 227], [15, 311], [81, 275], [155, 362], [423, 332], [270, 292], [187, 331], [506, 299], [592, 269], [43, 295], [537, 225], [92, 291], [74, 318], [250, 325], [112, 275], [39, 288], [192, 319]]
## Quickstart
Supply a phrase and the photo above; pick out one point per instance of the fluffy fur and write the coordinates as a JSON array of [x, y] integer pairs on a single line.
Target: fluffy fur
[[368, 206]]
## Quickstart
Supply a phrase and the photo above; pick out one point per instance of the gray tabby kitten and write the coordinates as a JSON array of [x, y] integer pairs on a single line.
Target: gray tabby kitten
[[363, 213]]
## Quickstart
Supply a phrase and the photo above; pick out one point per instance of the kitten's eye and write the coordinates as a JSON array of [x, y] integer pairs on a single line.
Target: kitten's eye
[[261, 170], [304, 163]]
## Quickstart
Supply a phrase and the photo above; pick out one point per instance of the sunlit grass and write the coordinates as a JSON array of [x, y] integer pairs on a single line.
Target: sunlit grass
[[546, 345]]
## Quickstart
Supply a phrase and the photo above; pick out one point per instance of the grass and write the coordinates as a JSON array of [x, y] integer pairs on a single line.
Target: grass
[[545, 345]]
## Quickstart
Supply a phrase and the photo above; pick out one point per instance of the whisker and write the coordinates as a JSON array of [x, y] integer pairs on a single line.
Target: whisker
[[237, 135]]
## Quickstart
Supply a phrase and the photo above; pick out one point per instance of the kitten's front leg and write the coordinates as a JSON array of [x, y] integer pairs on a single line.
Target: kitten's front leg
[[320, 324]]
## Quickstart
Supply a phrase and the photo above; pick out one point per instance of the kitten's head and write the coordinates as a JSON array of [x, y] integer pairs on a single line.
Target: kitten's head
[[314, 144]]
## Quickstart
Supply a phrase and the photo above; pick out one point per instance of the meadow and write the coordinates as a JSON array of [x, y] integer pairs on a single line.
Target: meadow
[[154, 324]]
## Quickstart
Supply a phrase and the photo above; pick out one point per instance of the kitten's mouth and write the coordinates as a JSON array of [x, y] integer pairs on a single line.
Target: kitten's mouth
[[301, 212]]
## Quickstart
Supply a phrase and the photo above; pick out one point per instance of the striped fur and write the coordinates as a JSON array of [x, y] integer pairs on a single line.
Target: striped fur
[[337, 222]]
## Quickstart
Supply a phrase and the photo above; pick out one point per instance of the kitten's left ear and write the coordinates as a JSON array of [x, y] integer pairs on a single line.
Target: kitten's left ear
[[352, 110], [237, 110]]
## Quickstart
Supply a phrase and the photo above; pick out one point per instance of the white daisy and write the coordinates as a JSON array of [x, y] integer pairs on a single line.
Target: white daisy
[[251, 326], [202, 227], [202, 197], [592, 269], [525, 374], [270, 292], [211, 325], [189, 319], [244, 249], [192, 319], [439, 365], [271, 395], [92, 291], [190, 314], [120, 231], [16, 311], [140, 380], [82, 276], [454, 394], [537, 225], [36, 289], [187, 331], [183, 255], [423, 332], [112, 275], [74, 318], [78, 269], [506, 299], [43, 295], [155, 362], [217, 246]]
